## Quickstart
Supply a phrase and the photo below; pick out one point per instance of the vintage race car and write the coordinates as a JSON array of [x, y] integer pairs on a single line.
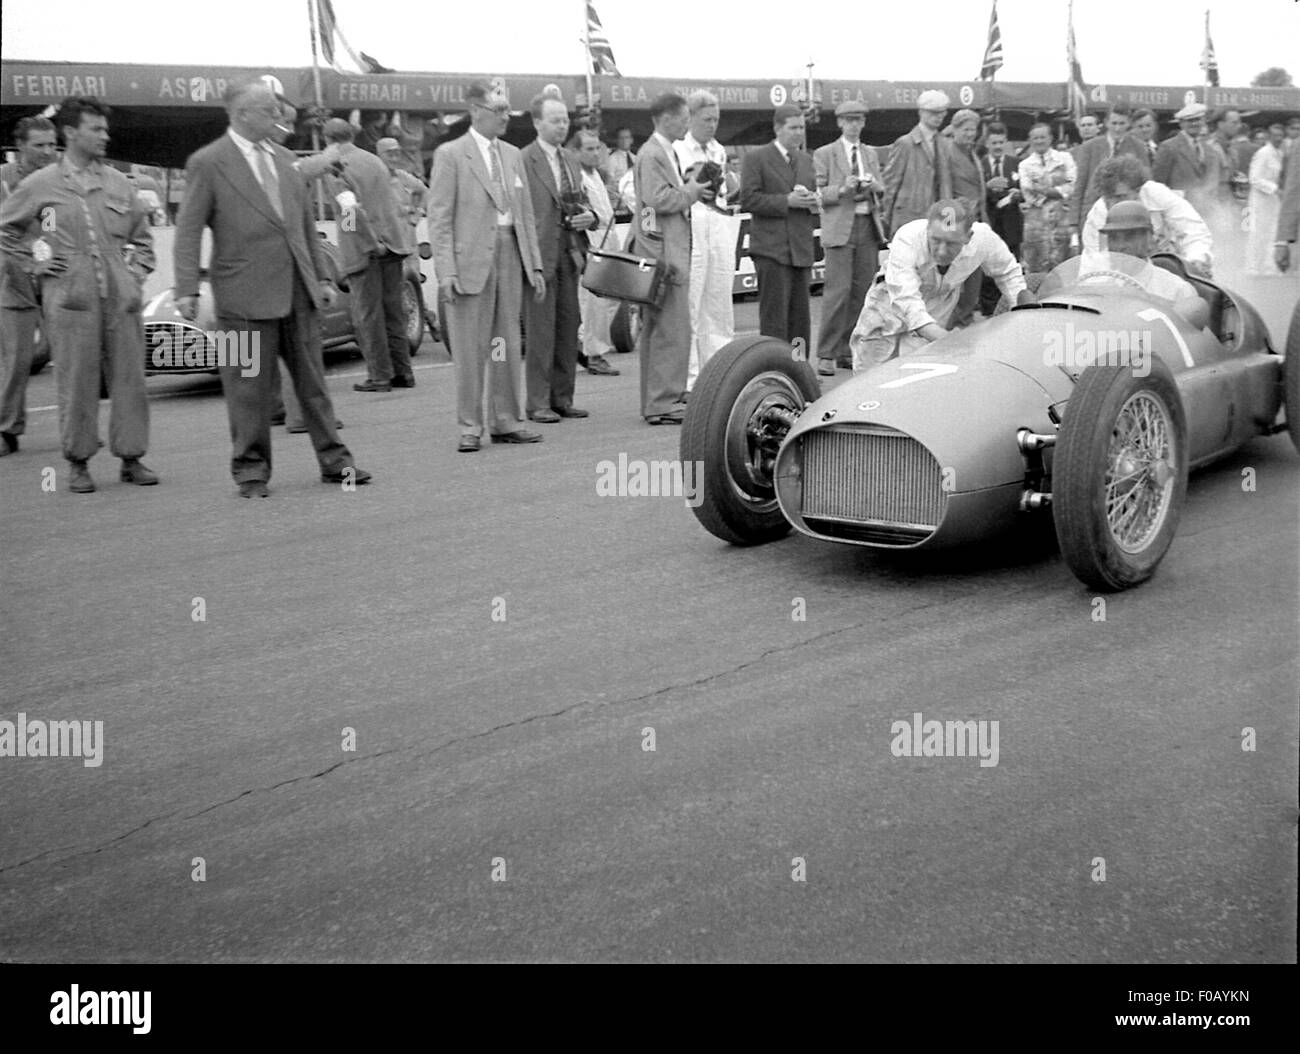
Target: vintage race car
[[1087, 408], [174, 346]]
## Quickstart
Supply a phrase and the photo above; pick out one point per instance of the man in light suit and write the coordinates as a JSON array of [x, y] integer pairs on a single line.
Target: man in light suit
[[848, 179], [269, 280], [919, 171], [778, 189], [1188, 164], [562, 214], [1288, 221], [663, 232], [484, 245], [1089, 156]]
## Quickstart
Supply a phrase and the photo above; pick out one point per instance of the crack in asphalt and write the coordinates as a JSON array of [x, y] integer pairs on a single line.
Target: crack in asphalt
[[72, 852]]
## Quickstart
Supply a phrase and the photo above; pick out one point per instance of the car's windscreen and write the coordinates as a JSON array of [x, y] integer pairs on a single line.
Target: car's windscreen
[[1094, 268]]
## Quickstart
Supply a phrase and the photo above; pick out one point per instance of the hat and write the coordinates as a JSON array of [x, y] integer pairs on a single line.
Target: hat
[[933, 99], [1191, 111], [848, 108], [387, 143], [1127, 216]]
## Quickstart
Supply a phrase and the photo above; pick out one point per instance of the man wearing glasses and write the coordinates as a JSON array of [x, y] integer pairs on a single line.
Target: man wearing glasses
[[484, 244]]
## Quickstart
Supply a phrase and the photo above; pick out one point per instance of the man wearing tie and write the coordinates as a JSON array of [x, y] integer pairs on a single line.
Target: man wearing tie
[[484, 244], [269, 280], [777, 184], [1186, 164], [663, 232], [1089, 157], [1001, 187], [848, 179], [562, 214]]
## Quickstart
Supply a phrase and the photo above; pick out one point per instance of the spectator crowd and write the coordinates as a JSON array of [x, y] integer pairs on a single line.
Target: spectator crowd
[[966, 221]]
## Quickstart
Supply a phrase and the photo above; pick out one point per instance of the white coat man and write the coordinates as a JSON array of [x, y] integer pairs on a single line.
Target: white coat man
[[597, 312], [929, 262], [713, 236]]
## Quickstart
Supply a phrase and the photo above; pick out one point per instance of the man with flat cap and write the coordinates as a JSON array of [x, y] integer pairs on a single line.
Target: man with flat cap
[[848, 179], [1186, 163], [778, 189], [919, 170]]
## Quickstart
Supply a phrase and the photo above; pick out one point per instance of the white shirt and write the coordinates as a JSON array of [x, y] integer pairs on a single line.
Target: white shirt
[[1055, 167], [485, 146], [250, 151], [553, 156], [598, 196], [690, 151], [914, 293], [1177, 227], [850, 149]]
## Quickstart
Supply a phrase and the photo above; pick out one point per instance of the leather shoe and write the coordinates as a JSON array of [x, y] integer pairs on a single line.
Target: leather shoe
[[521, 435], [254, 488], [80, 481], [352, 474], [543, 417], [825, 368], [665, 419], [468, 444], [294, 430], [8, 443], [597, 364], [570, 411], [372, 386], [404, 382], [277, 419], [135, 471]]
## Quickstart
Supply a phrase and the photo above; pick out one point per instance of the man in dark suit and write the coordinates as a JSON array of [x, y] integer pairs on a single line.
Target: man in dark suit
[[1089, 156], [1001, 181], [919, 170], [848, 179], [269, 280], [562, 214], [484, 244], [663, 232], [777, 188], [373, 241]]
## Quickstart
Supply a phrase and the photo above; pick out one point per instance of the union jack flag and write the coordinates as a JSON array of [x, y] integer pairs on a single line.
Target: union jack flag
[[1078, 91], [993, 50], [599, 53]]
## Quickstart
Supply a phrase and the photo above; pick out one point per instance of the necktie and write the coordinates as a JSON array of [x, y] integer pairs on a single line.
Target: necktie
[[793, 167], [857, 169], [566, 181], [496, 175], [270, 183]]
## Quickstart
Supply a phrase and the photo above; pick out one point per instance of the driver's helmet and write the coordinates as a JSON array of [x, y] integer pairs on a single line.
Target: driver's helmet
[[1127, 216]]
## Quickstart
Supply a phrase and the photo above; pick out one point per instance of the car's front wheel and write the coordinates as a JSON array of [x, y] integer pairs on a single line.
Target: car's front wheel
[[743, 405], [1119, 474]]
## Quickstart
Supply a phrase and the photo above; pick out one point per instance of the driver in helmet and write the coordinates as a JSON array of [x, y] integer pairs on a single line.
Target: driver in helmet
[[1128, 232]]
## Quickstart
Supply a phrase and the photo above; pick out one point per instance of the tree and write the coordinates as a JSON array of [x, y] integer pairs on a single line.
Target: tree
[[1273, 77]]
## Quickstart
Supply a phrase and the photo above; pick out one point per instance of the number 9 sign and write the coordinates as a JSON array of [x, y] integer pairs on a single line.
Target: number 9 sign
[[777, 94]]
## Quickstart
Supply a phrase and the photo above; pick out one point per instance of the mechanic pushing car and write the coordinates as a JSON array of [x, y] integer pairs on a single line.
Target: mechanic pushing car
[[929, 260]]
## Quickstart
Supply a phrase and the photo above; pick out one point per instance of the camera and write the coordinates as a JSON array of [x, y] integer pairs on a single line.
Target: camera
[[709, 174], [571, 205]]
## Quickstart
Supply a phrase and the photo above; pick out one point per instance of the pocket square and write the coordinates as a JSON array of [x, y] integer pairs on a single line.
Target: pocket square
[[519, 183]]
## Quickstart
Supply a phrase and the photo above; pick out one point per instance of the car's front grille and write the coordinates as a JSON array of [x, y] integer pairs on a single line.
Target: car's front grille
[[871, 484], [174, 347]]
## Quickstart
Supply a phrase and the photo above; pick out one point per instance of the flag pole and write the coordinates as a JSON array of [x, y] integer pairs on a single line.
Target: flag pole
[[586, 58], [1205, 58], [312, 17]]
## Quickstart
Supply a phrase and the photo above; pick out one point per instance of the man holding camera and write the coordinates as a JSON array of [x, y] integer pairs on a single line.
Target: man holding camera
[[562, 215], [713, 233], [848, 179]]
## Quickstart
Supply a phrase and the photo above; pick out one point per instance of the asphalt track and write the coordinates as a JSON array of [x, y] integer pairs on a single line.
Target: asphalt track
[[516, 744]]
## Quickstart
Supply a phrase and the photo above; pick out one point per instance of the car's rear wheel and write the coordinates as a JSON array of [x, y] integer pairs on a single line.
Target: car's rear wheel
[[625, 327], [413, 305], [1291, 377], [744, 402], [1119, 474]]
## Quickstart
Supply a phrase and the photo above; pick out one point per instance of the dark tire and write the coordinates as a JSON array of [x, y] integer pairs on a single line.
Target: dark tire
[[625, 327], [413, 305], [738, 502], [1291, 377], [1119, 428]]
